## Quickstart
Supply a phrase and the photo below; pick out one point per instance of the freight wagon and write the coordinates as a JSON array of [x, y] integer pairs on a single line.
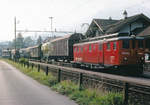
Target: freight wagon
[[60, 48]]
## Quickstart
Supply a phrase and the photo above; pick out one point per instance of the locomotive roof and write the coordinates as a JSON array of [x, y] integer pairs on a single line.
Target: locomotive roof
[[111, 39]]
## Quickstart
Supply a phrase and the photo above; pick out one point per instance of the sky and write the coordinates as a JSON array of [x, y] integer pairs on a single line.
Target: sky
[[68, 15]]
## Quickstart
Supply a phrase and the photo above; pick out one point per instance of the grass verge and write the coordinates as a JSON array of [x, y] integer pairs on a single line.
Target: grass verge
[[84, 97]]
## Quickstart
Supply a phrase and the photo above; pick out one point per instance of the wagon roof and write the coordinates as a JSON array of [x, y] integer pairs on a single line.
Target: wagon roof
[[61, 38], [33, 47]]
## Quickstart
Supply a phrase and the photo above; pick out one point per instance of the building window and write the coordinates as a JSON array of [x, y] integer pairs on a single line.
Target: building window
[[133, 44], [125, 44], [147, 43], [114, 45], [140, 43]]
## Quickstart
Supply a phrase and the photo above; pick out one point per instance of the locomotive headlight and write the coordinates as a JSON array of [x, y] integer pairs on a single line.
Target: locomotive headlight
[[125, 58]]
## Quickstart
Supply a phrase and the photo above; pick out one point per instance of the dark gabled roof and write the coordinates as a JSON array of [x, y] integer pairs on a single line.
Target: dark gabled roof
[[117, 26], [109, 26], [101, 24], [104, 22], [145, 32]]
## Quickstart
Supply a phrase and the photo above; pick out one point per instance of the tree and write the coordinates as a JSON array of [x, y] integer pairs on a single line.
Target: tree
[[39, 40], [28, 42], [19, 41]]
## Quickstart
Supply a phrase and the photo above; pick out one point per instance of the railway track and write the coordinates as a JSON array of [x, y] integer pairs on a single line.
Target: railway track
[[146, 73], [67, 66]]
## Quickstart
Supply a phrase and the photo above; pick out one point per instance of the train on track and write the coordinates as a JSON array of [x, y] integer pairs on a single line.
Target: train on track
[[109, 51], [118, 53]]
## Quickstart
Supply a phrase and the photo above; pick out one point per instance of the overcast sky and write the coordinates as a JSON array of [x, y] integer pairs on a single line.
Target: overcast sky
[[68, 14]]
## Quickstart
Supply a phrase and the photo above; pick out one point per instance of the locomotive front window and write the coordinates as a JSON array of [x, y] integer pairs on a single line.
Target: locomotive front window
[[114, 45], [125, 44], [140, 43]]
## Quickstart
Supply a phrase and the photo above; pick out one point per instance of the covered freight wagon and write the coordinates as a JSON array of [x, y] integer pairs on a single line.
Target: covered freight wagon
[[35, 52], [60, 48]]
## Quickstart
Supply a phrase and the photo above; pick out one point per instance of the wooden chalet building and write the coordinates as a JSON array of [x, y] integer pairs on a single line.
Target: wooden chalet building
[[146, 34], [125, 27]]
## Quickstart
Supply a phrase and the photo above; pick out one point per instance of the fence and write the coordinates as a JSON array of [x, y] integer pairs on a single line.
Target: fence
[[136, 93]]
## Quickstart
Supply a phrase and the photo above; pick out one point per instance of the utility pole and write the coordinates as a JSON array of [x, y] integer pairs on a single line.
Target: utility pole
[[51, 25], [15, 35]]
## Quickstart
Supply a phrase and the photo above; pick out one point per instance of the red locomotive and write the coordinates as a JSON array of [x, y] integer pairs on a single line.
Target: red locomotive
[[117, 52]]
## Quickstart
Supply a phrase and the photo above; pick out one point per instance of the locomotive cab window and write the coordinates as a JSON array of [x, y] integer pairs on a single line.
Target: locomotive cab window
[[140, 43], [125, 44]]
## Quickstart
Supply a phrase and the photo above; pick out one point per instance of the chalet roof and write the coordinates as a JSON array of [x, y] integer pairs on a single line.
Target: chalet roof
[[118, 25], [109, 26], [145, 32], [103, 23]]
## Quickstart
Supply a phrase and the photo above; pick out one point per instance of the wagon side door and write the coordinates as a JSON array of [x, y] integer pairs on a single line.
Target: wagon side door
[[100, 53]]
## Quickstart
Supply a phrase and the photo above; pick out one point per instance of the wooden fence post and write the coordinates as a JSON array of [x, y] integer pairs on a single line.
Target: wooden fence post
[[80, 81], [28, 65], [126, 95], [59, 75], [46, 71], [32, 65], [38, 67], [24, 64]]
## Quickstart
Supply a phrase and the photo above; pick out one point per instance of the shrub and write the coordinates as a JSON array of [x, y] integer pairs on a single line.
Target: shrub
[[66, 87], [23, 60]]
